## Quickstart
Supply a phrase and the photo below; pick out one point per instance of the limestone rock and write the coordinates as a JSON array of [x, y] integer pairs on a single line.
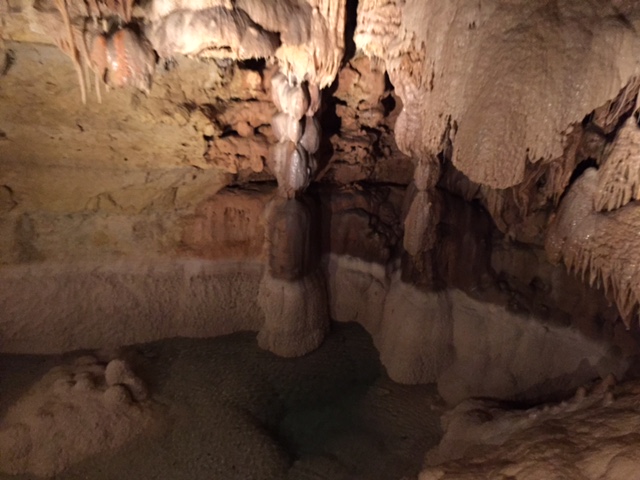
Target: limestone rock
[[296, 314], [468, 72], [118, 372], [619, 177], [214, 32], [227, 225], [124, 58], [363, 224], [421, 222], [461, 242], [125, 303], [493, 441], [161, 8], [55, 424], [601, 247], [415, 339], [290, 249]]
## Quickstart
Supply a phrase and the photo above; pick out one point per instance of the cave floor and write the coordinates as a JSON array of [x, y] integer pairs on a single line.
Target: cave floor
[[234, 411]]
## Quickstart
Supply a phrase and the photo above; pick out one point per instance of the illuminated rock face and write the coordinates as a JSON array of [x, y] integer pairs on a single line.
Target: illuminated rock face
[[433, 163], [586, 437]]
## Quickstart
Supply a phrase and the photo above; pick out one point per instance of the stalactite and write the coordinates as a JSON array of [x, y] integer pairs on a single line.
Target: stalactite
[[101, 41], [619, 179], [298, 134], [69, 47], [598, 247]]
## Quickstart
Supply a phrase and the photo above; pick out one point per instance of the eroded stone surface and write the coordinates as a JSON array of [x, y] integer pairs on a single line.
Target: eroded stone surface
[[73, 412], [587, 437]]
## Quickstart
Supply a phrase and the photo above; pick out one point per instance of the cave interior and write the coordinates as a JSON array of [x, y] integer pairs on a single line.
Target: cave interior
[[319, 239]]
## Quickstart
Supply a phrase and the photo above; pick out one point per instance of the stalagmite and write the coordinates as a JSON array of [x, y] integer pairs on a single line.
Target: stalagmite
[[289, 244], [290, 97], [421, 217], [310, 139], [292, 291], [286, 128]]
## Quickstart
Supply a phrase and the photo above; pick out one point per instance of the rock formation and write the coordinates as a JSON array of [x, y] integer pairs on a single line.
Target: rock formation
[[269, 166], [599, 246], [292, 291], [437, 171], [73, 412], [528, 443]]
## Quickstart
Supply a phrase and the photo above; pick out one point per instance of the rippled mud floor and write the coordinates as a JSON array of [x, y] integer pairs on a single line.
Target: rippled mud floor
[[234, 411]]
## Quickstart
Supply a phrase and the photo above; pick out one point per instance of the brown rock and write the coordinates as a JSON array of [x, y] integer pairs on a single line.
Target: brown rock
[[228, 225], [461, 258], [362, 224], [421, 222], [235, 153], [244, 129], [296, 314], [288, 239], [118, 372], [117, 395]]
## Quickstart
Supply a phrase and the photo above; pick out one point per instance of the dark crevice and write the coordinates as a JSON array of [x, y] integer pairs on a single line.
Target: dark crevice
[[254, 64], [329, 119], [389, 104], [350, 28], [582, 167], [7, 59], [229, 132]]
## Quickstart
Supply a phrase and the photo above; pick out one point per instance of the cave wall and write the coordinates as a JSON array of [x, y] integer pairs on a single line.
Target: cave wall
[[145, 216]]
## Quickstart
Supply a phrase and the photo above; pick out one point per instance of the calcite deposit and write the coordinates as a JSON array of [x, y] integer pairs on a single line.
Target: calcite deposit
[[460, 178], [373, 129], [599, 246], [591, 436], [73, 412]]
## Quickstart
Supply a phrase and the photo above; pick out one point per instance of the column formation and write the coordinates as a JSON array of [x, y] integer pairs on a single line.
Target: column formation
[[293, 291], [422, 215], [298, 132]]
